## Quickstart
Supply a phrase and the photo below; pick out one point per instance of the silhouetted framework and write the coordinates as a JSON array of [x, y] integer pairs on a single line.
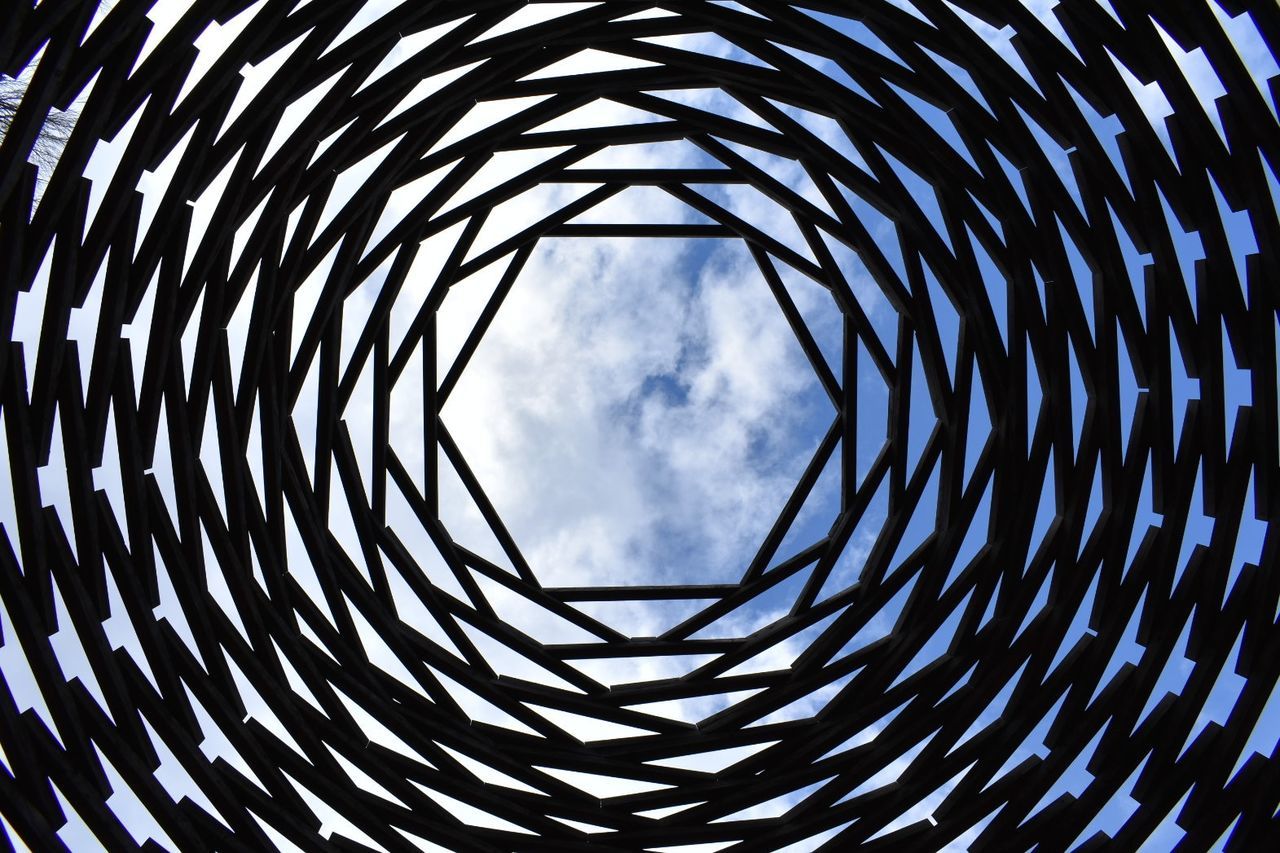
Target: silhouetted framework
[[220, 633]]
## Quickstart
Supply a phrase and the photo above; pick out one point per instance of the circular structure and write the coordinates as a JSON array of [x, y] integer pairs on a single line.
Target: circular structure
[[1021, 595]]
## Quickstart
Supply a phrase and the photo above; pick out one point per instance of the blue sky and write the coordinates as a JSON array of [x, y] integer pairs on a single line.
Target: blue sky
[[637, 413]]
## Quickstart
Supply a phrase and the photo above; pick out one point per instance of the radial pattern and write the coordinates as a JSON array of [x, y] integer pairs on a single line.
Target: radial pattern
[[995, 286]]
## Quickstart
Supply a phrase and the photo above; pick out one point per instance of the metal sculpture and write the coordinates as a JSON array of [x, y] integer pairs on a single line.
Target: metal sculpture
[[1097, 473]]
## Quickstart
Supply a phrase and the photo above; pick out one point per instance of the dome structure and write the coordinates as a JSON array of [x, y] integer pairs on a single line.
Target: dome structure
[[972, 302]]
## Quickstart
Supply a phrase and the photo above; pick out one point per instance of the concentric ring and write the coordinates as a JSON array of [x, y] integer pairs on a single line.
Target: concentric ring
[[257, 594]]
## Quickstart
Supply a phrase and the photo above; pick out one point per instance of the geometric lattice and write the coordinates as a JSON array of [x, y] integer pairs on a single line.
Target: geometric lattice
[[1029, 252]]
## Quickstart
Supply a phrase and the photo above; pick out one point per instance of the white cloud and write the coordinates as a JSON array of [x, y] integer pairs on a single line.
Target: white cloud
[[635, 418]]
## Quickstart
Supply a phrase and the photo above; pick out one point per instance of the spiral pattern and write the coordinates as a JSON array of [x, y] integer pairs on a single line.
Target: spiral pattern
[[242, 609]]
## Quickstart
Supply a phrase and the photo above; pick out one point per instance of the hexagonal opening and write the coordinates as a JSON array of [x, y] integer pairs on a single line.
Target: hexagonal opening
[[638, 412]]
